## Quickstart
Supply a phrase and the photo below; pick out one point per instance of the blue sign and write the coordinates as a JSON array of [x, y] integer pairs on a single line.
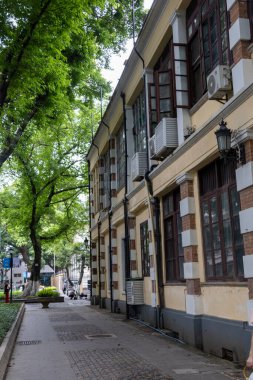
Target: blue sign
[[7, 263]]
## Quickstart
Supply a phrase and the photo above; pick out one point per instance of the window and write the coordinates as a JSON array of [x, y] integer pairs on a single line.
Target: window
[[161, 102], [145, 249], [220, 206], [207, 28], [139, 114], [120, 141], [174, 254], [17, 274]]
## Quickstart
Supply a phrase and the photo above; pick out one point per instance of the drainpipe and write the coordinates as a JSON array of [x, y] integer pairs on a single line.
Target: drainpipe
[[125, 202], [154, 210], [88, 161], [99, 265], [99, 255], [110, 220]]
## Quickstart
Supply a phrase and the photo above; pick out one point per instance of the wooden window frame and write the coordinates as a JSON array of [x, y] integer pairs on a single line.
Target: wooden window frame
[[174, 257], [216, 193], [144, 239], [197, 30], [164, 65], [140, 123]]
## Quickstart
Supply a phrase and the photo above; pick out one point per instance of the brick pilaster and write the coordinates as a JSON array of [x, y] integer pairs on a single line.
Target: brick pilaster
[[113, 182], [94, 268], [152, 264], [244, 181], [132, 248], [190, 244], [102, 266], [115, 276], [240, 41]]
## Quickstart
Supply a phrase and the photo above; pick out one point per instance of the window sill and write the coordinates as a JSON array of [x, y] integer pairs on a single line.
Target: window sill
[[179, 283], [242, 284]]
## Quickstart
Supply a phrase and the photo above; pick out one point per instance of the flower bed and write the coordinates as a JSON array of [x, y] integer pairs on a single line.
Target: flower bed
[[8, 313]]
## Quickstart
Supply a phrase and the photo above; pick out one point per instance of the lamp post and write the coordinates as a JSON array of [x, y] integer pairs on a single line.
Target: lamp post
[[86, 244]]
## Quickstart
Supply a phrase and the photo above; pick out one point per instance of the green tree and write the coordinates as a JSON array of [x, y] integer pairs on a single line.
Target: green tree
[[51, 53], [49, 181]]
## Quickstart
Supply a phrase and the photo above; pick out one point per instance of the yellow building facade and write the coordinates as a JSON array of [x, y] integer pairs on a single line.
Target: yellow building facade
[[171, 214]]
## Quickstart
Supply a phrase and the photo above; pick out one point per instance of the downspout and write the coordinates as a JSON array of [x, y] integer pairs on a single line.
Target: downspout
[[99, 284], [88, 161], [154, 211], [99, 265], [110, 220], [125, 202]]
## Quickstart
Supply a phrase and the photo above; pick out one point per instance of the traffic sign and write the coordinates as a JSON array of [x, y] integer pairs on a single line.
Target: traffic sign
[[7, 263]]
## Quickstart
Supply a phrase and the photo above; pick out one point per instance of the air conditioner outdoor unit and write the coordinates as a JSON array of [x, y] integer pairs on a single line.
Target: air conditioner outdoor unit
[[219, 82], [134, 290], [152, 147], [106, 201], [138, 166], [166, 136]]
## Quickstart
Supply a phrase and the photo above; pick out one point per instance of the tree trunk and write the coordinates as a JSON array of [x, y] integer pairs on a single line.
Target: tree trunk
[[34, 282], [24, 252], [81, 269], [67, 273]]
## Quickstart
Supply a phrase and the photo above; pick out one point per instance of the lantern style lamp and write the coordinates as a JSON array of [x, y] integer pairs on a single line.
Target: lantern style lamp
[[223, 135], [86, 242]]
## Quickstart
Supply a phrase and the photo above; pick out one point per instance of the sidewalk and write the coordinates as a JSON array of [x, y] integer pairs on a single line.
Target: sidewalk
[[74, 341]]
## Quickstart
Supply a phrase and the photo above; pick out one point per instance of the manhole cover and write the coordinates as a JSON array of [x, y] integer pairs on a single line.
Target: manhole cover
[[96, 336], [28, 342]]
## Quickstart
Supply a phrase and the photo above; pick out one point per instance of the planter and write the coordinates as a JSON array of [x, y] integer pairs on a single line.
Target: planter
[[45, 301]]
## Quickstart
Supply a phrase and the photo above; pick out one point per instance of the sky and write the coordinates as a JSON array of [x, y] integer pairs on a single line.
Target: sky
[[117, 61]]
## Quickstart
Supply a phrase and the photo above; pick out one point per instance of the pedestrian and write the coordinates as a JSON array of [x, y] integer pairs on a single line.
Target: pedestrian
[[7, 292]]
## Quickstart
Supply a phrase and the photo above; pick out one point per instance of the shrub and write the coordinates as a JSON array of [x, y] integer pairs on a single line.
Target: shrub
[[8, 313], [15, 294], [48, 292]]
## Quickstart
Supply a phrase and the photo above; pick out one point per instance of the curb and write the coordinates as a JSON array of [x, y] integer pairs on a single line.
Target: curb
[[8, 343]]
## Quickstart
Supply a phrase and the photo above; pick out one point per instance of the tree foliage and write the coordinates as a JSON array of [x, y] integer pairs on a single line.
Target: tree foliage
[[51, 52]]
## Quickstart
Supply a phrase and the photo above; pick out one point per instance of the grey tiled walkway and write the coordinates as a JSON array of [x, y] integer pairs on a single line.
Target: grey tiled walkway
[[73, 341]]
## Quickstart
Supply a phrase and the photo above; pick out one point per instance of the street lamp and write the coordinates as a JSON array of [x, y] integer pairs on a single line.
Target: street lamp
[[224, 136], [86, 242]]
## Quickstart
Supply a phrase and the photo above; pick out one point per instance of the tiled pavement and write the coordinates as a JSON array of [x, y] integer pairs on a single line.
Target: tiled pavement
[[73, 341]]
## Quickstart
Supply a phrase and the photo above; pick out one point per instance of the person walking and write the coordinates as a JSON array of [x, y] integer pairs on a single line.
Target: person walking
[[7, 292]]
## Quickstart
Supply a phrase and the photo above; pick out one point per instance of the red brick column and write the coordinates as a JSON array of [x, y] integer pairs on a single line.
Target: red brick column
[[113, 182], [244, 180], [132, 248], [240, 41], [102, 266], [152, 264], [115, 275], [190, 244], [94, 268]]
